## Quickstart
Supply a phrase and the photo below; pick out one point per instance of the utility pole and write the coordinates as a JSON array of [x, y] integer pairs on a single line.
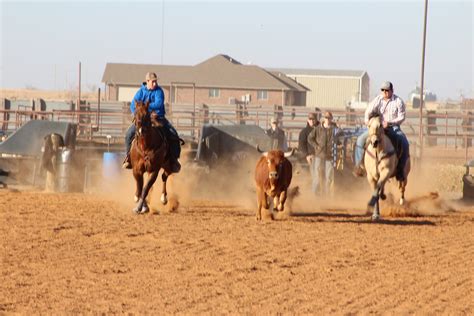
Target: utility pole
[[79, 87], [162, 28], [422, 79]]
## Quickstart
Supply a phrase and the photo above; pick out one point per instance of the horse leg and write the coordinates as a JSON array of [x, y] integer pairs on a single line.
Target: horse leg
[[374, 201], [382, 194], [375, 194], [380, 189], [146, 189], [401, 186], [376, 214], [145, 208], [164, 194], [139, 182]]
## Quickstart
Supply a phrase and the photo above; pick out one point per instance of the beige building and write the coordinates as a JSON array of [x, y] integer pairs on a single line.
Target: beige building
[[331, 88], [219, 80]]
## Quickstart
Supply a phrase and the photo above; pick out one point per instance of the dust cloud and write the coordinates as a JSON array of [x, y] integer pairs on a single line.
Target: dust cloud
[[233, 183]]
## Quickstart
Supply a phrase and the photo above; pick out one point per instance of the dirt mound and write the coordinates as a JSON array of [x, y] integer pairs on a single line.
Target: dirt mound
[[428, 204]]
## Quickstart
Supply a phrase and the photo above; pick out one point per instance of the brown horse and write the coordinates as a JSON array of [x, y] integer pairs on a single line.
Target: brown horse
[[380, 162], [148, 154]]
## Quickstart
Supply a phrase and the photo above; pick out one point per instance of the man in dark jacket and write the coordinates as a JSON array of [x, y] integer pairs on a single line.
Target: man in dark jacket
[[305, 149], [323, 138], [277, 135]]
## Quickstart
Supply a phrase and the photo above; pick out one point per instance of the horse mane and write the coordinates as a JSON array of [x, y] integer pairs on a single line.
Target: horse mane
[[373, 115]]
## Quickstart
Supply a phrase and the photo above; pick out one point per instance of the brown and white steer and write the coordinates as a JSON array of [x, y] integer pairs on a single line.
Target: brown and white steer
[[273, 177]]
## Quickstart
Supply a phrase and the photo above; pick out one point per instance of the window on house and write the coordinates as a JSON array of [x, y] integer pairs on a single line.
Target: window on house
[[213, 93], [262, 95]]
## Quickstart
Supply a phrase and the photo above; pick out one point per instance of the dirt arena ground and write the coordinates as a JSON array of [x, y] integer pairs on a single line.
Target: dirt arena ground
[[87, 253]]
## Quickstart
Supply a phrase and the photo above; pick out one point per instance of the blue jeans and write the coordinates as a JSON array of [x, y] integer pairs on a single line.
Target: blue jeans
[[170, 133], [322, 173], [129, 135], [360, 147]]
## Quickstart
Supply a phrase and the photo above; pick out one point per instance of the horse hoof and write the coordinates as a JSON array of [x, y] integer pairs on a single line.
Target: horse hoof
[[135, 199], [145, 209], [137, 210], [375, 217], [402, 201], [383, 197], [280, 208], [164, 199]]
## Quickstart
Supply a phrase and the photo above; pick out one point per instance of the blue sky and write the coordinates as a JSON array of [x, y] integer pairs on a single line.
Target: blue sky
[[43, 42]]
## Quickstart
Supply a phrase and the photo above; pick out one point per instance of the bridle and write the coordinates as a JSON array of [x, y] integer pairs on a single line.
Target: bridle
[[379, 134], [142, 129]]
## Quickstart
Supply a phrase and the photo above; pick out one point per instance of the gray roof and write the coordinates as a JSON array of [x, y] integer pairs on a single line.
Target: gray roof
[[220, 71], [288, 81], [320, 72]]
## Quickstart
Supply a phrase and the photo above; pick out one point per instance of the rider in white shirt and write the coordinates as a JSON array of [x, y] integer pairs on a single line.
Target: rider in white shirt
[[393, 111]]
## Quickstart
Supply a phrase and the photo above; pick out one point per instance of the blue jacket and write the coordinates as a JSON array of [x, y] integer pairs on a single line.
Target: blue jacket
[[156, 98]]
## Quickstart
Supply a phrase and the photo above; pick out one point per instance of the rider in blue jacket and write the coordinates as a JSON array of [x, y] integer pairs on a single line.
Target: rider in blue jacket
[[150, 91]]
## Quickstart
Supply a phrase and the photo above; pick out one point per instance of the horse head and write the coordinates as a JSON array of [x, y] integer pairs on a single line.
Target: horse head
[[142, 117], [376, 131]]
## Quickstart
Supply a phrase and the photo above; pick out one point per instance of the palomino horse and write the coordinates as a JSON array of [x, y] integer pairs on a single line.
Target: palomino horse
[[148, 154], [380, 162]]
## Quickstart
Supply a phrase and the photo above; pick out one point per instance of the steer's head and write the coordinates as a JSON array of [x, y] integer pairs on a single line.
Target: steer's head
[[275, 160]]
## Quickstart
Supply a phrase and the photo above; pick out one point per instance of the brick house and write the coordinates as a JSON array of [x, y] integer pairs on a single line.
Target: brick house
[[219, 80]]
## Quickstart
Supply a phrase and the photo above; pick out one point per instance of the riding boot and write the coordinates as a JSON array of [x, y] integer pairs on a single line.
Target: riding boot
[[358, 171], [127, 164]]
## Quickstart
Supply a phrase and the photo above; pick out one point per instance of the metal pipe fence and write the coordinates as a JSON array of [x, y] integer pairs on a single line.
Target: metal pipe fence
[[453, 132]]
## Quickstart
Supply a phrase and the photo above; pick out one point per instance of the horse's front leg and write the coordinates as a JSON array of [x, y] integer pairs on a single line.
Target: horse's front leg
[[375, 192], [378, 192], [138, 175], [401, 186], [164, 193], [146, 189]]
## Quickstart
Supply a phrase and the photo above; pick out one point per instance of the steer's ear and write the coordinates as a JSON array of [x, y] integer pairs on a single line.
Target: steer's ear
[[290, 153]]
